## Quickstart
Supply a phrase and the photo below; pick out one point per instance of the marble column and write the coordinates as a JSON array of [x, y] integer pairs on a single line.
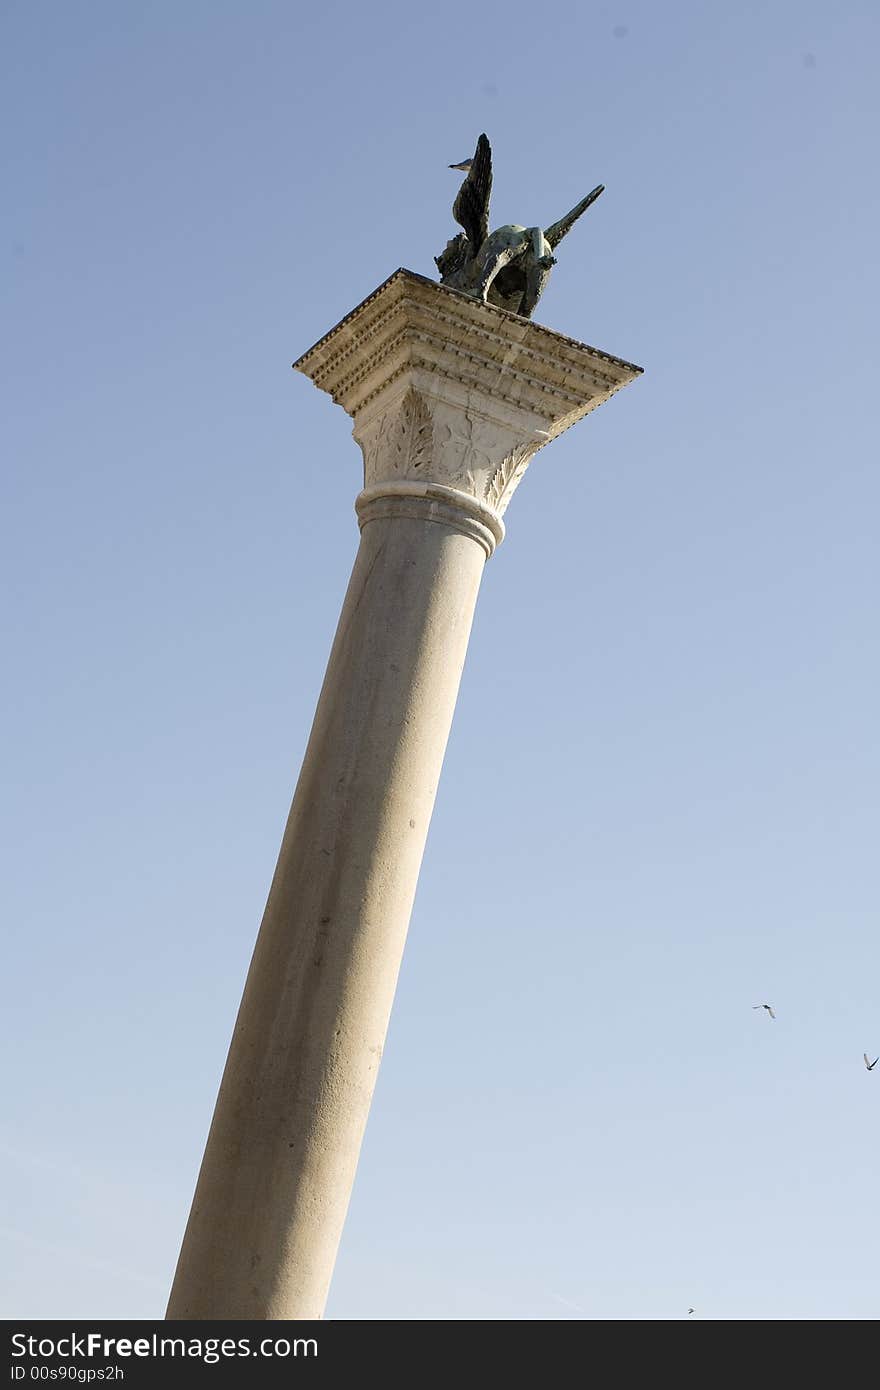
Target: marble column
[[450, 399]]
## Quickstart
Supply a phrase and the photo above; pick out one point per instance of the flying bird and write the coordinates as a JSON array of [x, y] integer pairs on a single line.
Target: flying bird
[[768, 1007], [690, 1310], [870, 1065]]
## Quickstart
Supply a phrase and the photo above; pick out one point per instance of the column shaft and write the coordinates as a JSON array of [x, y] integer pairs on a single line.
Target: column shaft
[[293, 1103]]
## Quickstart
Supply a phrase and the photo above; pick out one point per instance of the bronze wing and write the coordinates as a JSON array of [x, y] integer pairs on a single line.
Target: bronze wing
[[555, 233], [471, 207]]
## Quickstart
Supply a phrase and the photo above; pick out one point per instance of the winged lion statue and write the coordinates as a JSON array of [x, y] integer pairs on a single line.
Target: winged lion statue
[[509, 267]]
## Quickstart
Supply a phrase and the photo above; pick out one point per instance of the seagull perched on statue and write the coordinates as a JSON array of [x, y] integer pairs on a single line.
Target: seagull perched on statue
[[870, 1065], [768, 1007]]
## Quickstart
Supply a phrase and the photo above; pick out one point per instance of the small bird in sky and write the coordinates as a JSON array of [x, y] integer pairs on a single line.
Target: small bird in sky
[[768, 1007], [870, 1065], [464, 166], [690, 1310]]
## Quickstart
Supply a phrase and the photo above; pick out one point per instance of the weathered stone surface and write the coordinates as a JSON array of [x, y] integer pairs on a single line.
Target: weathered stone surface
[[450, 399], [284, 1143], [449, 391]]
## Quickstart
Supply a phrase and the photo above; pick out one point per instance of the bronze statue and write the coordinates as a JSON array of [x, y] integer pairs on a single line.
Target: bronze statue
[[508, 267]]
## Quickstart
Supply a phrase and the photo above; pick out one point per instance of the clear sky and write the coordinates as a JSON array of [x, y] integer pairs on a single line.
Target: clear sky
[[659, 804]]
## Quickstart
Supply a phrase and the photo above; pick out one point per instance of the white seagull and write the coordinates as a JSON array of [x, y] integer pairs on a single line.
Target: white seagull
[[768, 1007], [870, 1065]]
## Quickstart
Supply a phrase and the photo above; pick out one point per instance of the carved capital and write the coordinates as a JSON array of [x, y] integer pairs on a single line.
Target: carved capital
[[413, 437], [447, 392], [398, 442]]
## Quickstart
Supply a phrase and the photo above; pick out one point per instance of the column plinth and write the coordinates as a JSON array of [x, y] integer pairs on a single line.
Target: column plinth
[[450, 400]]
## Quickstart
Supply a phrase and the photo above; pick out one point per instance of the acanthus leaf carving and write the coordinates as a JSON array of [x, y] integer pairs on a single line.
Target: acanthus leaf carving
[[410, 442], [401, 442], [447, 445], [507, 475]]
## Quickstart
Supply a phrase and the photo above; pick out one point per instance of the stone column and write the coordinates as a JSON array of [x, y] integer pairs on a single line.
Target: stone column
[[450, 400]]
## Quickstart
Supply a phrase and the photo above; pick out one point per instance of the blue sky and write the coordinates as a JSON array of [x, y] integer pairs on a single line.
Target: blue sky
[[659, 804]]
